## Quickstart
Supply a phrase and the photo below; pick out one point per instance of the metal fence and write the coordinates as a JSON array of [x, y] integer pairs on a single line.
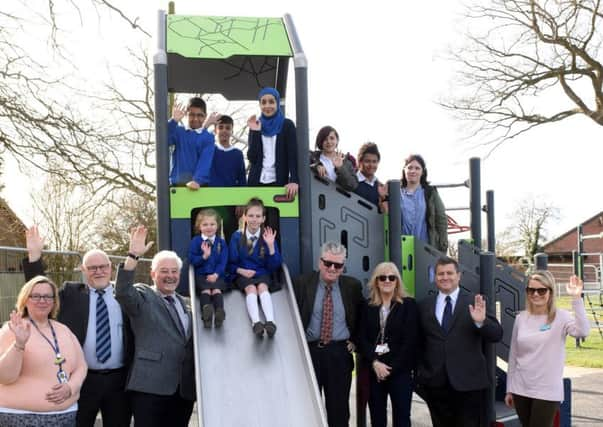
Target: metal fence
[[61, 266]]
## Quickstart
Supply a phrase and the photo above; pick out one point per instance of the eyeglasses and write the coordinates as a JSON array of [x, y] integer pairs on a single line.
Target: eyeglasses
[[389, 278], [38, 298], [95, 268], [329, 264], [539, 291]]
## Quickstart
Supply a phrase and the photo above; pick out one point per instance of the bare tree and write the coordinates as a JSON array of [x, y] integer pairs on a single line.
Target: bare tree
[[527, 63], [528, 231]]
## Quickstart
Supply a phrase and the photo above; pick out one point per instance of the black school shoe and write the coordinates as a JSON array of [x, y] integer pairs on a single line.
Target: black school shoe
[[219, 318], [258, 329], [207, 314], [270, 328]]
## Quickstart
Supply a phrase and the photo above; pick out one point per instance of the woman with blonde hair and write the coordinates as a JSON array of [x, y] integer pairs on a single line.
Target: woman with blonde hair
[[537, 354], [42, 365], [388, 341]]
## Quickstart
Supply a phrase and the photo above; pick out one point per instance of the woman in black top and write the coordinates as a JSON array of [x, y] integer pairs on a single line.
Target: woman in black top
[[388, 341]]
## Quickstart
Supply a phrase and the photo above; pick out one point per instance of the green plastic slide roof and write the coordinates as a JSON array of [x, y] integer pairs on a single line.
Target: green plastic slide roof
[[220, 37]]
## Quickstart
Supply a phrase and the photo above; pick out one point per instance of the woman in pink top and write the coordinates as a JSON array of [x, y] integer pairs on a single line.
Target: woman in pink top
[[42, 365], [537, 355]]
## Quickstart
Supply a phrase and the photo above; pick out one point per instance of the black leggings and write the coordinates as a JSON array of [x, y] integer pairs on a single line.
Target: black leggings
[[535, 412]]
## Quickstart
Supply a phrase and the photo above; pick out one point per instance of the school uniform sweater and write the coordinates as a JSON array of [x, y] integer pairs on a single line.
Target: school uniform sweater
[[215, 263], [228, 168], [192, 155], [239, 257]]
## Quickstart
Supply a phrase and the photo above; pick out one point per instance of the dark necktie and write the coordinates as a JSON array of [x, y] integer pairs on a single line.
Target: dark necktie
[[172, 309], [252, 240], [103, 331], [209, 243], [326, 326], [447, 316]]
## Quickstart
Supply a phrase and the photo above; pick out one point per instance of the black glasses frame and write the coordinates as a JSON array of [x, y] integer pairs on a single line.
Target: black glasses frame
[[329, 264]]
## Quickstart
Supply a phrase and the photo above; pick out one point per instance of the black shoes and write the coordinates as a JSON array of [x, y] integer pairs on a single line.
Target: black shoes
[[207, 314], [258, 329], [219, 318], [270, 328]]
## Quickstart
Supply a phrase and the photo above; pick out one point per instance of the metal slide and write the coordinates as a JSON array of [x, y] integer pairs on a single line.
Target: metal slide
[[246, 381]]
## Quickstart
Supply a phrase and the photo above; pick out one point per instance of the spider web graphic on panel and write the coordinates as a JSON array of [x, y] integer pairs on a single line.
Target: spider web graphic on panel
[[225, 37]]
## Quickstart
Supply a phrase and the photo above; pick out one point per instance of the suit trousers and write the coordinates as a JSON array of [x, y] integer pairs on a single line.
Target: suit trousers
[[399, 389], [153, 410], [104, 391], [333, 366], [452, 408]]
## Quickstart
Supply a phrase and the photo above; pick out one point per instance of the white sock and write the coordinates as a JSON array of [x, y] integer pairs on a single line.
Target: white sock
[[251, 300], [266, 301]]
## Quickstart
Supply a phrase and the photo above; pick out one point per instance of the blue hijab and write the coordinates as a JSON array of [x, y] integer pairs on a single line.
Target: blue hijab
[[272, 125]]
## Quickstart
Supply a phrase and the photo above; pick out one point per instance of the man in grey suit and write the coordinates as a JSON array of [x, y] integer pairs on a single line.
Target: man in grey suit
[[162, 375], [452, 371]]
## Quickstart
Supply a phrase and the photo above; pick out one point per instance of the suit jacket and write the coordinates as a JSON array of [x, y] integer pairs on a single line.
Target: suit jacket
[[459, 354], [75, 308], [305, 287], [285, 155], [401, 335], [163, 357]]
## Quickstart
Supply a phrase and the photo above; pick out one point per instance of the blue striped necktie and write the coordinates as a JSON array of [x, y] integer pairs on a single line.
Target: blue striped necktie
[[103, 332]]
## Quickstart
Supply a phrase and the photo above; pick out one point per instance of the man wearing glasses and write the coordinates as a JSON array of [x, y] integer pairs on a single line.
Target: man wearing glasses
[[329, 305], [96, 319]]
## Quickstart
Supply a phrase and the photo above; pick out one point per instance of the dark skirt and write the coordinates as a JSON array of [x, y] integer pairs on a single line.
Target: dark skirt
[[201, 284], [242, 282]]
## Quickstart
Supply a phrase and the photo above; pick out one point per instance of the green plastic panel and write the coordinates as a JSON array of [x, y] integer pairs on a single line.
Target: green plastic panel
[[183, 200], [408, 257], [220, 37]]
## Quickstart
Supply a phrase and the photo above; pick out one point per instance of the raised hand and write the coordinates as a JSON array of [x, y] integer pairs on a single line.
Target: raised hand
[[138, 237], [253, 123], [338, 159], [478, 309], [269, 236], [574, 287], [212, 119], [20, 327], [178, 112], [206, 249], [34, 243]]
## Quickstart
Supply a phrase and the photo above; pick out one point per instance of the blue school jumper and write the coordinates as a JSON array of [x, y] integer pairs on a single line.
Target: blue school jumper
[[192, 155], [228, 168], [240, 258], [217, 261]]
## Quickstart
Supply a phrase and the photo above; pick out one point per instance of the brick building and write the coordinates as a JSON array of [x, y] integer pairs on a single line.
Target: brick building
[[560, 249], [12, 234]]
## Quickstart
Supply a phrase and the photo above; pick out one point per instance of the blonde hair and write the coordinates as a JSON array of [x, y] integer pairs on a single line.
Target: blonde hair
[[25, 293], [546, 279], [382, 269], [208, 213]]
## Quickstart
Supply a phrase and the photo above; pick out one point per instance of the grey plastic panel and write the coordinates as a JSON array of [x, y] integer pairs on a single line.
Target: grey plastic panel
[[509, 285], [251, 382], [349, 219], [425, 259]]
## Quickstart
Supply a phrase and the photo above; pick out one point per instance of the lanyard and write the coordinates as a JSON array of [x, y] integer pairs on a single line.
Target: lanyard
[[383, 314], [58, 359]]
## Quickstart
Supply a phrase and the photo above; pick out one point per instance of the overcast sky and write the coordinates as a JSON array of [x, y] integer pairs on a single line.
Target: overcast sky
[[375, 73]]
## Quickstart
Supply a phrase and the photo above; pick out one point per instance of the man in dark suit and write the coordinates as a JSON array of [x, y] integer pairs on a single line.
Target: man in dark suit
[[162, 375], [96, 319], [329, 305], [452, 371]]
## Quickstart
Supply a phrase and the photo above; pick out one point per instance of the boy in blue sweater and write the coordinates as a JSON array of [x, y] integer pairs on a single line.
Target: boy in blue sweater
[[228, 166], [193, 147]]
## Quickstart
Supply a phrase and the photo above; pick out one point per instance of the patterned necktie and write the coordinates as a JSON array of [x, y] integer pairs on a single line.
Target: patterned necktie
[[103, 332], [326, 326], [252, 240], [174, 312], [447, 317]]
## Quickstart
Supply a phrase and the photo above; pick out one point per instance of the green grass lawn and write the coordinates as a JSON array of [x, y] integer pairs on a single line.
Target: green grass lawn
[[590, 352]]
